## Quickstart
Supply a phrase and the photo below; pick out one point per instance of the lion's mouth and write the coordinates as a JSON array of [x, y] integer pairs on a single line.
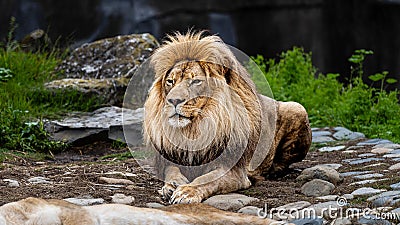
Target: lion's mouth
[[178, 120]]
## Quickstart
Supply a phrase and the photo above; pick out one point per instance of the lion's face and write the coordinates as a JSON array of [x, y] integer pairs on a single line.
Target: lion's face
[[187, 92]]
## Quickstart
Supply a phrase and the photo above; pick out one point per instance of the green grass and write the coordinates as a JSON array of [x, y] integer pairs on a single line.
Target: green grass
[[24, 101], [357, 106]]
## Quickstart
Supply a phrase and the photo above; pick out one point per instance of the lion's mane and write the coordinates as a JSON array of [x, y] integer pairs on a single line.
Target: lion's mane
[[234, 109]]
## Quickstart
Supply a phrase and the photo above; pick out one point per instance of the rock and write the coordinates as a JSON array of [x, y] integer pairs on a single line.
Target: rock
[[321, 209], [354, 173], [349, 151], [294, 206], [392, 155], [230, 202], [341, 221], [368, 176], [320, 172], [39, 180], [11, 183], [388, 198], [108, 180], [348, 196], [371, 181], [395, 186], [308, 221], [84, 128], [328, 197], [361, 161], [367, 191], [321, 133], [322, 139], [345, 134], [365, 155], [249, 210], [105, 67], [154, 205], [85, 201], [395, 167], [381, 150], [331, 149], [354, 147], [122, 199], [375, 142], [334, 166], [372, 220], [317, 187], [397, 151], [388, 145]]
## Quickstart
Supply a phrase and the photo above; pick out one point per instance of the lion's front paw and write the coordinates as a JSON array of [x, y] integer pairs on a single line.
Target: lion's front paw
[[169, 187], [186, 194]]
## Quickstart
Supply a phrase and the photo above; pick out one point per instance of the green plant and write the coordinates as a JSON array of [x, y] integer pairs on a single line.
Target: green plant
[[355, 105], [5, 74]]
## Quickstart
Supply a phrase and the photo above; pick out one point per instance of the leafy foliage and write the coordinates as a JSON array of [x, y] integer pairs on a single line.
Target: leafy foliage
[[355, 105]]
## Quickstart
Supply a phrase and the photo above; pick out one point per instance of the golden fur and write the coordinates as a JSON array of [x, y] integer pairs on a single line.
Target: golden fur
[[205, 118], [35, 211]]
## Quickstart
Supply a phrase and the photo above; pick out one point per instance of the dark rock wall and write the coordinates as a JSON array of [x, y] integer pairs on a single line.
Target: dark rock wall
[[331, 29]]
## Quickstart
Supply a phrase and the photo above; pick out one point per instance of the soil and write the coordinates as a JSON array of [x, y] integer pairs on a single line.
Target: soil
[[75, 173]]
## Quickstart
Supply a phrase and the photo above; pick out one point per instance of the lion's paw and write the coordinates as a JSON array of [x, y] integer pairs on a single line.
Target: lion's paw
[[186, 194]]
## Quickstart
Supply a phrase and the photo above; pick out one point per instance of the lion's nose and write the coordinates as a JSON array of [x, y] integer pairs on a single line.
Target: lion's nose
[[175, 101]]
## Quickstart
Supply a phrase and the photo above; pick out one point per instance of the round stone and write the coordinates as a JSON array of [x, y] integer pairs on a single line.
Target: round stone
[[317, 187]]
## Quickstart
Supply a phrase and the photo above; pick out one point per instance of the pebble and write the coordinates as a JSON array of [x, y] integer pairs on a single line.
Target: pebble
[[334, 166], [354, 173], [392, 156], [317, 187], [371, 181], [376, 141], [395, 167], [365, 155], [154, 205], [395, 186], [361, 161], [308, 221], [349, 151], [39, 180], [346, 134], [11, 183], [341, 221], [321, 133], [372, 220], [331, 149], [108, 180], [322, 139], [388, 146], [320, 172], [85, 201], [328, 197], [294, 206], [397, 151], [367, 191], [388, 198], [355, 147], [122, 199], [249, 210], [368, 176], [230, 202], [381, 150], [320, 209]]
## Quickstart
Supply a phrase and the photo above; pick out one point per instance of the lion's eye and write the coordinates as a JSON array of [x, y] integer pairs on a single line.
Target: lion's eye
[[169, 82], [196, 82]]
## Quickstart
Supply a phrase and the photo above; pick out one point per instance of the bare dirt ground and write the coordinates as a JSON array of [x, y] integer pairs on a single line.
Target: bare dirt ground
[[76, 173]]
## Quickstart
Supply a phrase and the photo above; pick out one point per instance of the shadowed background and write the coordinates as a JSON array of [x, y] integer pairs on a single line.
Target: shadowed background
[[330, 29]]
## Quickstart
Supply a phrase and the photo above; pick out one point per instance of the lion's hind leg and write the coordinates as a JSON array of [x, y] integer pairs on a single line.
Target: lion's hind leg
[[292, 139]]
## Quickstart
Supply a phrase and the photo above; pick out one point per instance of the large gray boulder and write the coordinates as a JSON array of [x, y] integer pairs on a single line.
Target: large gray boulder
[[103, 68]]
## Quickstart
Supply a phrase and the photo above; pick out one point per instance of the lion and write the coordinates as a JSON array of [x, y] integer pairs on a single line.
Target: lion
[[36, 211], [212, 132]]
